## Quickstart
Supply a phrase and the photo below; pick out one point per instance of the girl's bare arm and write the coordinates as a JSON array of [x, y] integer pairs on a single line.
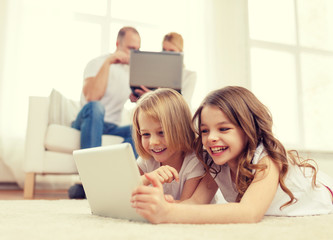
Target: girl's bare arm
[[151, 204]]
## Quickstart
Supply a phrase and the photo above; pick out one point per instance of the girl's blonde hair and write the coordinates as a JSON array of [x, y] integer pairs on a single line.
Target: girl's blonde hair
[[245, 111], [169, 108], [176, 39]]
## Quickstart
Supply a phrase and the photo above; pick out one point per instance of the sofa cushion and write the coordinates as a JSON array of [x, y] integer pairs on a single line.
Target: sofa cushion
[[61, 109], [60, 138]]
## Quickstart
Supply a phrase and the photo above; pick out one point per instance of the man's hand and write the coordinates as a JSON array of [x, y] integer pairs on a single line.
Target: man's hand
[[119, 57]]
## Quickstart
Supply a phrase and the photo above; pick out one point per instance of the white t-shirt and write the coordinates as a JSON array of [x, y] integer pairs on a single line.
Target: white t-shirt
[[117, 92], [191, 168], [311, 201]]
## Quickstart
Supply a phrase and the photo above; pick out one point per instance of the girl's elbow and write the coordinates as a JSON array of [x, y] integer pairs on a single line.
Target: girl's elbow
[[250, 215], [254, 217]]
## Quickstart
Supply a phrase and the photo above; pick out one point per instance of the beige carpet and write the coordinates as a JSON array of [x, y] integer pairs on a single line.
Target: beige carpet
[[71, 219]]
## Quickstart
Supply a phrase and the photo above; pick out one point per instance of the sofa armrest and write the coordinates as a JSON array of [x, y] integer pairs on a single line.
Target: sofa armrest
[[35, 136]]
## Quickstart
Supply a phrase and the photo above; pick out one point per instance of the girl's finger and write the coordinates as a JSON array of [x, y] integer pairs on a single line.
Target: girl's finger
[[174, 173], [152, 178]]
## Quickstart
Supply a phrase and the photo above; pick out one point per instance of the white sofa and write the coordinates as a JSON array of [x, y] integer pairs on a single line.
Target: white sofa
[[50, 140]]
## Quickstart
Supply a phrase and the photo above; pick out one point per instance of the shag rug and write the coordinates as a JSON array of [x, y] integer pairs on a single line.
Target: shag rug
[[71, 219]]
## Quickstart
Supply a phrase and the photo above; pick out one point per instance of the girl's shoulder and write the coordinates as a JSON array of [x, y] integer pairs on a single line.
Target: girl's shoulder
[[147, 165], [191, 160], [191, 166], [259, 153], [191, 157]]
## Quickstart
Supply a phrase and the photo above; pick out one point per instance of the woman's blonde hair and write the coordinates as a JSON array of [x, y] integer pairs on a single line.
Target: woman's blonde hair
[[245, 111], [169, 108], [176, 39]]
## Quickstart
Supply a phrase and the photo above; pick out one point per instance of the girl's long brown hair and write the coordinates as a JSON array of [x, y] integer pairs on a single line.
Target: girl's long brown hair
[[245, 111]]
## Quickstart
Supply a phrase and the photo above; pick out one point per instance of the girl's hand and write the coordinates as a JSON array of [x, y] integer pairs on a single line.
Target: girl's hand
[[169, 198], [166, 174], [150, 202]]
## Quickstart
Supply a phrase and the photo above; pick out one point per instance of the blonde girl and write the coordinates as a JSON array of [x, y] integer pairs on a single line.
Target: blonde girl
[[164, 137], [247, 163]]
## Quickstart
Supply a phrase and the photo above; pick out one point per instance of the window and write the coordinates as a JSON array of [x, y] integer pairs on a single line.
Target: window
[[291, 64], [48, 43], [59, 37], [151, 18]]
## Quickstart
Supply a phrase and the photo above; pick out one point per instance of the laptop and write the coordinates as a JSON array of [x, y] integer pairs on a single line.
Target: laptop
[[109, 175], [156, 69]]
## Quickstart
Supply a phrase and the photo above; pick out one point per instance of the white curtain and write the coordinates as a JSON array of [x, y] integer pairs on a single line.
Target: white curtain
[[40, 52]]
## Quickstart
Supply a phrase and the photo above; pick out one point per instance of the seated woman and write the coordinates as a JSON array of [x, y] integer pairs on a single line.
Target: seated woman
[[173, 42]]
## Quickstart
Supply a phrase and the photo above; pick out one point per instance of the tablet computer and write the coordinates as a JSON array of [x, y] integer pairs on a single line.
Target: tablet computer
[[156, 69], [109, 174]]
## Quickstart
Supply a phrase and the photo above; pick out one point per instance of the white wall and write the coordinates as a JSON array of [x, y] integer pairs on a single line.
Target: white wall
[[229, 36]]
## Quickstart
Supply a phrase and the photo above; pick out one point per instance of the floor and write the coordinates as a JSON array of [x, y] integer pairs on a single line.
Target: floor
[[11, 191]]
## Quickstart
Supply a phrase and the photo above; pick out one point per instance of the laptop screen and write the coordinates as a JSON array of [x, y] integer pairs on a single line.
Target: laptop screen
[[156, 69]]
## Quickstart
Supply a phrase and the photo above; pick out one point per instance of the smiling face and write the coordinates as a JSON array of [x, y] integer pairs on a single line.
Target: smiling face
[[154, 142], [223, 140]]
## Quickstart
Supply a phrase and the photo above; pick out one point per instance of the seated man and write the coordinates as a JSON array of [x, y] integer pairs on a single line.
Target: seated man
[[105, 91]]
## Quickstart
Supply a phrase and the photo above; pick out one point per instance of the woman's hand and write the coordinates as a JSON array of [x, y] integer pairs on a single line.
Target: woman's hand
[[150, 202], [139, 92], [142, 90]]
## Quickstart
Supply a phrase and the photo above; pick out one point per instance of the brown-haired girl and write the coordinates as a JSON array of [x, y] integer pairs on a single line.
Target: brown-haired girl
[[247, 163]]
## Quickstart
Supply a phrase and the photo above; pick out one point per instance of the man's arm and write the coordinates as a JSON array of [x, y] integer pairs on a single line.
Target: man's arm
[[94, 87]]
